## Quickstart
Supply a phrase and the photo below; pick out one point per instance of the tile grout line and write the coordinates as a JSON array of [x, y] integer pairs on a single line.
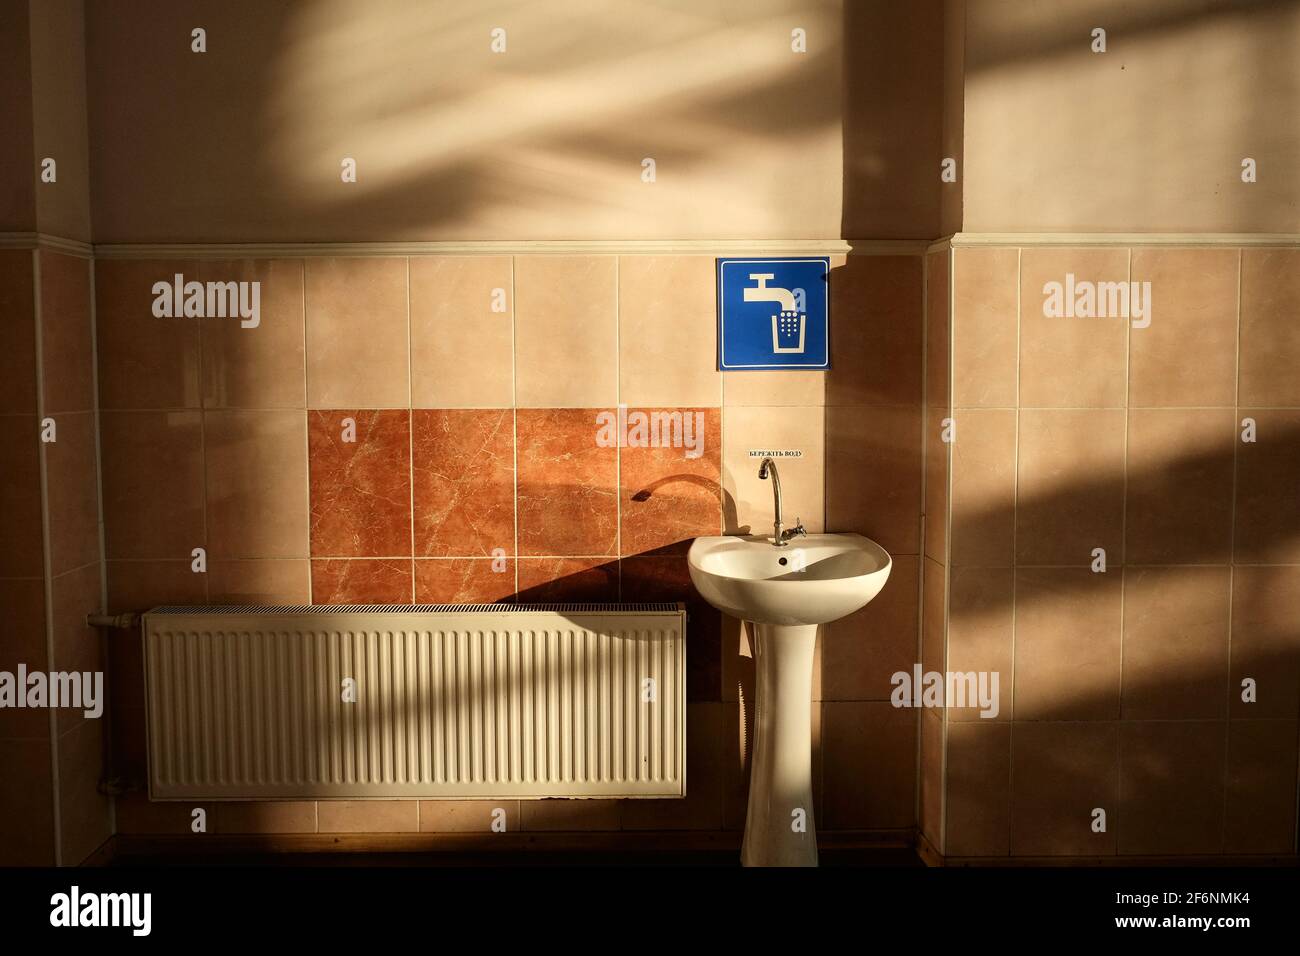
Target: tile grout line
[[618, 408], [950, 375], [410, 440], [306, 436], [1015, 544], [410, 466], [46, 563], [514, 413], [1123, 555], [1123, 502], [920, 565], [102, 528], [1232, 560]]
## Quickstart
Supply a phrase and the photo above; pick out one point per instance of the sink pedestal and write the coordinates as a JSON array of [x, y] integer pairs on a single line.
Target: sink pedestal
[[779, 828]]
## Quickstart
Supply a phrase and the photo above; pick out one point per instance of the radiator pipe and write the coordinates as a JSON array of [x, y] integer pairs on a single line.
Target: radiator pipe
[[121, 621]]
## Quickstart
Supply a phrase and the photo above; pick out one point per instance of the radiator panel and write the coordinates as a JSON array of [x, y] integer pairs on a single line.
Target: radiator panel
[[455, 701]]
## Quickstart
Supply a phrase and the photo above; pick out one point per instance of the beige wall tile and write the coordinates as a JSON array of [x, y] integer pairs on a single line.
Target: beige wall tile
[[20, 497], [144, 361], [773, 387], [153, 483], [861, 735], [1171, 787], [985, 327], [930, 778], [667, 331], [85, 814], [1070, 486], [1067, 662], [357, 337], [873, 474], [467, 816], [260, 581], [570, 814], [934, 623], [938, 358], [462, 353], [984, 488], [1175, 643], [980, 635], [77, 647], [67, 356], [1265, 641], [876, 330], [747, 499], [368, 816], [979, 789], [1270, 335], [1268, 474], [17, 331], [136, 813], [22, 641], [72, 493], [262, 366], [140, 585], [1187, 355], [1261, 787], [1061, 772], [566, 325], [1179, 494], [270, 816], [1070, 362], [938, 460], [256, 482], [858, 654], [27, 811]]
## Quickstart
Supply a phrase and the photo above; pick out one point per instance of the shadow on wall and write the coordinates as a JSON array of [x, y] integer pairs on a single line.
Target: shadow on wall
[[454, 141], [1188, 87]]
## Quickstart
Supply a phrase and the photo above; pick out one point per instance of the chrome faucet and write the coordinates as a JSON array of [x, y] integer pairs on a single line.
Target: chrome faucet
[[780, 536]]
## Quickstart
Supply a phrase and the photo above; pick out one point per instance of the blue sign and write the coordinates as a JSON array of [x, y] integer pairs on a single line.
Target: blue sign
[[773, 313]]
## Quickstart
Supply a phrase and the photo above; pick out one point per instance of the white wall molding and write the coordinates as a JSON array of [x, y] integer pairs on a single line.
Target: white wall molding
[[39, 240], [721, 247], [711, 247], [1205, 239]]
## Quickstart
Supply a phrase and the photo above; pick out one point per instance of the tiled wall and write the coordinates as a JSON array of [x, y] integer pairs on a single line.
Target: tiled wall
[[1121, 690], [476, 475], [50, 564]]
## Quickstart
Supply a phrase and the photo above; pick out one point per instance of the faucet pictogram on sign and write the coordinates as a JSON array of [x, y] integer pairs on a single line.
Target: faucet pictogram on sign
[[788, 325]]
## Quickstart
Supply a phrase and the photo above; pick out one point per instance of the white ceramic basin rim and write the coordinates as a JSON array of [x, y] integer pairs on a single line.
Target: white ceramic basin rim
[[812, 580]]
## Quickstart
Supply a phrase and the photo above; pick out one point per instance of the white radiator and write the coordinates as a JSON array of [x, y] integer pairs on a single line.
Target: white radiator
[[454, 701]]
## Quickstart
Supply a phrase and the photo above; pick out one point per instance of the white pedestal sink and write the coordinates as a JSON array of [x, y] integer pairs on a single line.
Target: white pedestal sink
[[785, 593]]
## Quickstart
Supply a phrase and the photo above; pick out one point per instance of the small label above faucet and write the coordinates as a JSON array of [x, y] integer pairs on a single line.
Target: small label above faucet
[[778, 453]]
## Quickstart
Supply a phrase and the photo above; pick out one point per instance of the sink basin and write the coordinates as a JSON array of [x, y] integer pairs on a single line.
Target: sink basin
[[785, 594], [812, 580]]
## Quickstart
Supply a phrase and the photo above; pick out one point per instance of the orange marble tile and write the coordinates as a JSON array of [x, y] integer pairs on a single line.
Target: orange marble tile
[[464, 481], [464, 580], [546, 580], [361, 489], [360, 581], [670, 493], [568, 495]]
